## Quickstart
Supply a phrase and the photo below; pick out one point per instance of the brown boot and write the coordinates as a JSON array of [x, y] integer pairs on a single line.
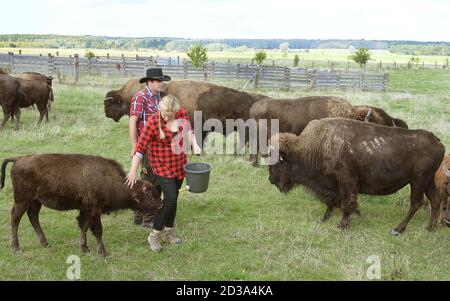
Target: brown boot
[[154, 239], [170, 237]]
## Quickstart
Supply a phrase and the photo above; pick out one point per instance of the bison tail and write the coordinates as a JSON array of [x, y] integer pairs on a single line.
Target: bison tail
[[5, 162]]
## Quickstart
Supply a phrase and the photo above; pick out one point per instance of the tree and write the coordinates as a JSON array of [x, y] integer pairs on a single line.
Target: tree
[[198, 56], [260, 56], [89, 54], [361, 56], [296, 60]]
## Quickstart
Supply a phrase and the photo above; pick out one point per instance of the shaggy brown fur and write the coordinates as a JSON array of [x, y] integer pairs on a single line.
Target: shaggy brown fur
[[37, 93], [37, 76], [11, 95], [338, 158], [91, 184], [295, 114]]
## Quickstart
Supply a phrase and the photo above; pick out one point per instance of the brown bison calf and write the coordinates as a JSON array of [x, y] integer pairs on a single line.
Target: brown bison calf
[[441, 180], [91, 184]]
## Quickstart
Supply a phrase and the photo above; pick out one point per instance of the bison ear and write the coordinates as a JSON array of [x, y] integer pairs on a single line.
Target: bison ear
[[361, 113]]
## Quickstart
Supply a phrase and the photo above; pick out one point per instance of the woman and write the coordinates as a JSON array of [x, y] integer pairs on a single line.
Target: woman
[[164, 135]]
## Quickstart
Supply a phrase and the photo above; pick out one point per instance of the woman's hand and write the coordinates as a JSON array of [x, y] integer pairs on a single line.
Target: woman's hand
[[130, 179], [197, 150]]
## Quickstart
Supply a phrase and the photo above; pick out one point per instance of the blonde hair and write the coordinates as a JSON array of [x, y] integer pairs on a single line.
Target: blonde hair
[[168, 103]]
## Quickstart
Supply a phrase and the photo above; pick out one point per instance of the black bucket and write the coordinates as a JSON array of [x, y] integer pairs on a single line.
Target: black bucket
[[197, 176]]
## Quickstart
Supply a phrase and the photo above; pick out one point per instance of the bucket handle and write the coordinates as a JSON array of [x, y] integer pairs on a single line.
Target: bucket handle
[[184, 189]]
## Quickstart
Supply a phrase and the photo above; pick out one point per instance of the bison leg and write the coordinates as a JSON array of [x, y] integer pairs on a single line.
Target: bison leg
[[6, 115], [435, 205], [83, 223], [17, 212], [17, 117], [33, 216], [327, 214], [97, 230], [417, 191]]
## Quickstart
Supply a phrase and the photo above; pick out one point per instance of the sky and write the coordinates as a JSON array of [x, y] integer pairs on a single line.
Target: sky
[[420, 20]]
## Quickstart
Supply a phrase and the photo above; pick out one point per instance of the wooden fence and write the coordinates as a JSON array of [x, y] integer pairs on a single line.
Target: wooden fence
[[258, 77]]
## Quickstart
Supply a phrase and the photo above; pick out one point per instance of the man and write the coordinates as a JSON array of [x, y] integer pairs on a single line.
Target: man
[[143, 105]]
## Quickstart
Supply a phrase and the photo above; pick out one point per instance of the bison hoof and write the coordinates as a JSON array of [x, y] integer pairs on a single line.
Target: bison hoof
[[18, 251], [85, 249], [343, 227], [44, 244], [395, 233]]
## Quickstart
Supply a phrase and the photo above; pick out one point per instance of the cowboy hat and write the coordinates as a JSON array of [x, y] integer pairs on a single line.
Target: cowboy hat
[[154, 74]]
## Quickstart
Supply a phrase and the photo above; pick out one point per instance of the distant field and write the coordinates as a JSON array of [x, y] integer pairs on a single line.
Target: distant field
[[334, 55], [242, 228]]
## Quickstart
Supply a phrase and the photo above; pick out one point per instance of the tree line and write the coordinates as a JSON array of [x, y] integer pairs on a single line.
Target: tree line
[[239, 45]]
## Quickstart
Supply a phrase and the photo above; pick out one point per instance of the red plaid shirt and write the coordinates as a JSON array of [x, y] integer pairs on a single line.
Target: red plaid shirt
[[167, 157], [143, 105]]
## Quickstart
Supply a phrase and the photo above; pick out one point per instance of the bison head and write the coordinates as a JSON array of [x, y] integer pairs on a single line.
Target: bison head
[[115, 107], [146, 197], [378, 116], [279, 171]]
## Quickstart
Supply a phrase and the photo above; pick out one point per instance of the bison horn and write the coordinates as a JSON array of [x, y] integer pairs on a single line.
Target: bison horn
[[369, 113], [446, 171], [109, 98], [393, 123]]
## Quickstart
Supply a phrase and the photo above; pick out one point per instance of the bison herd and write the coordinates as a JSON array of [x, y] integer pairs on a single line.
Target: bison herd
[[326, 144]]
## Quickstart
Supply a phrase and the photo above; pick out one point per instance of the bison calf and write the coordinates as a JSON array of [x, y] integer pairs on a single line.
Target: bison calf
[[91, 184]]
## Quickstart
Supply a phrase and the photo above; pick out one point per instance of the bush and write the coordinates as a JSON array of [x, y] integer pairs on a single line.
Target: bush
[[361, 56], [198, 56], [296, 60], [260, 56]]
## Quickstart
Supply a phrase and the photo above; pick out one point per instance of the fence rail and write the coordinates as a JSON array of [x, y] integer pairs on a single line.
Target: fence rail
[[258, 77]]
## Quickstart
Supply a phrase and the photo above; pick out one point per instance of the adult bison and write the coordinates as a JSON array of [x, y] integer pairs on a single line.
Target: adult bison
[[294, 114], [11, 95], [117, 102], [338, 158], [378, 116], [91, 184], [213, 101], [36, 92]]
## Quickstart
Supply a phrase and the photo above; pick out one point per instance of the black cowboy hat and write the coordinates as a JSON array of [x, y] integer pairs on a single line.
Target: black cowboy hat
[[156, 74]]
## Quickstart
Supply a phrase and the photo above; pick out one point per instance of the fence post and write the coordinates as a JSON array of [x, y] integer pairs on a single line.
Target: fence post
[[137, 57], [338, 80], [257, 77], [348, 65], [361, 80], [170, 61], [185, 67], [11, 61], [89, 65], [51, 64], [205, 72], [313, 80], [381, 65], [273, 63], [124, 63], [107, 56], [20, 51], [385, 81], [423, 65], [287, 77], [178, 60], [76, 65], [238, 66], [213, 69], [435, 65]]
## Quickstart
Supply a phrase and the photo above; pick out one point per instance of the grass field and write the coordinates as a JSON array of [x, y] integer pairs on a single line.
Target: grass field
[[242, 228]]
